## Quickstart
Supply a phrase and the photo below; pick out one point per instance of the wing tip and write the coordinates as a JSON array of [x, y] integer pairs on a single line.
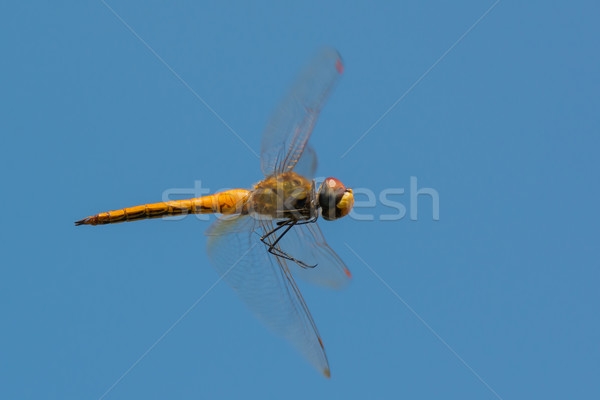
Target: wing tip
[[327, 373], [348, 273], [339, 66]]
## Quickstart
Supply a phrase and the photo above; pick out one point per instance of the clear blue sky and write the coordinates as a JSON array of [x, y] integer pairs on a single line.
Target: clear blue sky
[[505, 127]]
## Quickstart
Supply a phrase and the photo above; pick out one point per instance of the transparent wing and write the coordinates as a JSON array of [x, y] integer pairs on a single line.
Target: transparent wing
[[292, 123], [264, 283], [307, 165], [306, 243]]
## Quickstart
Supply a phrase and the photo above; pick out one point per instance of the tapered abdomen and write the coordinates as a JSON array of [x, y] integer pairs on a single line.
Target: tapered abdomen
[[228, 202]]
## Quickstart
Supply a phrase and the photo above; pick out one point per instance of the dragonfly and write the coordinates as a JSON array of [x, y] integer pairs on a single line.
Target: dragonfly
[[268, 235]]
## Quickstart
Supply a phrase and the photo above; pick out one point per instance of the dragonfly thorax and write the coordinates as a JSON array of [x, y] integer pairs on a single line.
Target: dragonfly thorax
[[285, 196]]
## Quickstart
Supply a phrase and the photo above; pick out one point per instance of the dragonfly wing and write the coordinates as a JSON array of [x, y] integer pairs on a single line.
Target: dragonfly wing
[[306, 243], [307, 165], [292, 123], [264, 283]]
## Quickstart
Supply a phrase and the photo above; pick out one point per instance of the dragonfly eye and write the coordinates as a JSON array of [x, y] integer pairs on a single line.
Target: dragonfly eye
[[334, 199]]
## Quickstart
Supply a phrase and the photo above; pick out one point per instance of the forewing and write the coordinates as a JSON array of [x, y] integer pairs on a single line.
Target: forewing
[[293, 121], [307, 165], [264, 283], [306, 243]]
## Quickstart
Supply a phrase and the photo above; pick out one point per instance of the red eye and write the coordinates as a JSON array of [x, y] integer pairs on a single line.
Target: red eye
[[334, 186]]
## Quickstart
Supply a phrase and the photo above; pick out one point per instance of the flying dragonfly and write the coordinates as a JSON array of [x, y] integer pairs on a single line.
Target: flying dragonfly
[[269, 234]]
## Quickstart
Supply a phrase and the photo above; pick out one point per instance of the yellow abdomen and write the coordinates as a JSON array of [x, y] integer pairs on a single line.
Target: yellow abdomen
[[228, 202]]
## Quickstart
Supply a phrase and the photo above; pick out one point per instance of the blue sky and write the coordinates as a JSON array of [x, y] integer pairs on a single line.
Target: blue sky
[[498, 298]]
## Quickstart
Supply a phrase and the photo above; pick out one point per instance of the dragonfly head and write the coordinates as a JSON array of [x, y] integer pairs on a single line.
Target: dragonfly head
[[334, 199]]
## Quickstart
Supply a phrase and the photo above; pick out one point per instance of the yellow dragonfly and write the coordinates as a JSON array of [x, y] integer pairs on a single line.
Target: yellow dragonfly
[[269, 234]]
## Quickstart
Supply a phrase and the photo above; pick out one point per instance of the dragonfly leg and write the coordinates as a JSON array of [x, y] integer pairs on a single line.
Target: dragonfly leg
[[277, 252], [280, 225], [307, 221]]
